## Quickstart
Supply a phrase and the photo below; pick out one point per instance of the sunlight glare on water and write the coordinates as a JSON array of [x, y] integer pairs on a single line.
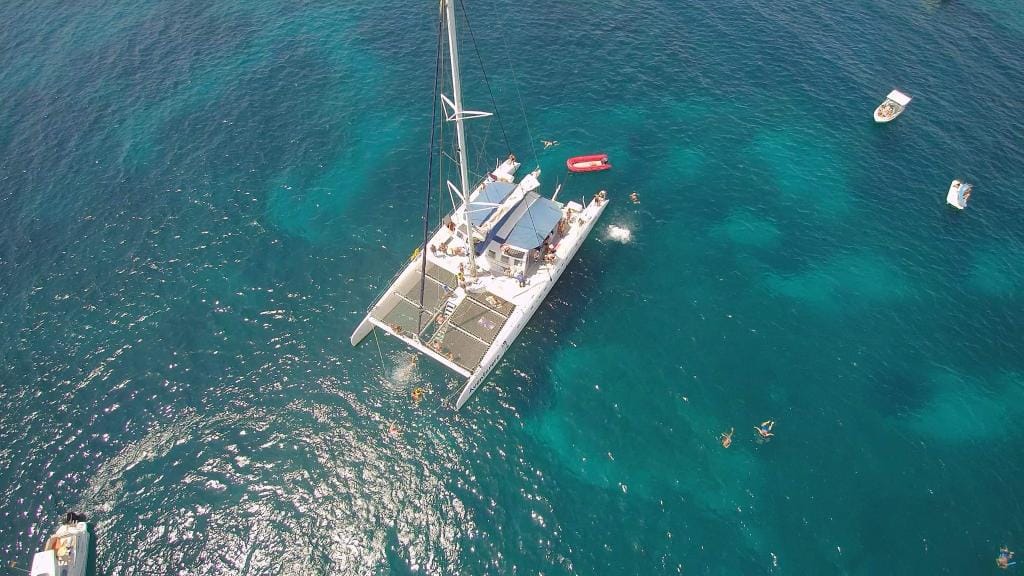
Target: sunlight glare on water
[[199, 201]]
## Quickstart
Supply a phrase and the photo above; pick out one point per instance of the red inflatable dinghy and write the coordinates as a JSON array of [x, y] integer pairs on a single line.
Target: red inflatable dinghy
[[591, 163]]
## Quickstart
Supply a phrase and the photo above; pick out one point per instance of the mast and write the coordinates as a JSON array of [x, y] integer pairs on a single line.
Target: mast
[[458, 116]]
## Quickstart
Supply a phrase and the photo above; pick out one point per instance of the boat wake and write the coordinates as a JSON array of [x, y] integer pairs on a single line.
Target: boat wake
[[619, 234]]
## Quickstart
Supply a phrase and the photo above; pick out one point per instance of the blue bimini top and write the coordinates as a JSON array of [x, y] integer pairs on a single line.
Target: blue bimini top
[[530, 223], [492, 193]]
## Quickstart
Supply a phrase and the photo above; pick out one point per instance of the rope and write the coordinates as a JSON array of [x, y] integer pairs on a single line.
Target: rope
[[486, 82], [519, 96], [447, 400], [381, 354], [442, 154], [430, 176]]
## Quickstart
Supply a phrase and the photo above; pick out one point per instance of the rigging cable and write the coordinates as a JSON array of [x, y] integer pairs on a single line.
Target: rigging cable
[[430, 176], [381, 354], [487, 83], [515, 84]]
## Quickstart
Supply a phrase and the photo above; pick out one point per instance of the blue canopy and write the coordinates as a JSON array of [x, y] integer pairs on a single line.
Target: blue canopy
[[492, 193], [531, 222]]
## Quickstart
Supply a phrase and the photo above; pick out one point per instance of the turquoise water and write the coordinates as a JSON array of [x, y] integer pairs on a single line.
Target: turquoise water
[[200, 199]]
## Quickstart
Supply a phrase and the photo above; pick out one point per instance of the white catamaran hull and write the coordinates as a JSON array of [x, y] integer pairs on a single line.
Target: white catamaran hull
[[520, 319]]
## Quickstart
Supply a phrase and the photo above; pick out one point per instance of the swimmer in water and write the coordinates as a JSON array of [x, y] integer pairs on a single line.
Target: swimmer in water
[[417, 394], [1003, 560], [765, 429], [634, 198], [549, 143], [393, 429], [727, 438]]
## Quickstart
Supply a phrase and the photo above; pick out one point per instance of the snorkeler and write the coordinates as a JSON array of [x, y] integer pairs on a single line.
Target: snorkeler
[[549, 143], [727, 438], [765, 429], [1005, 555]]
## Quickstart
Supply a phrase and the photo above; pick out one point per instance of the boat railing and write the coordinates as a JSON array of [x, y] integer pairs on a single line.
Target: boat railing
[[416, 252]]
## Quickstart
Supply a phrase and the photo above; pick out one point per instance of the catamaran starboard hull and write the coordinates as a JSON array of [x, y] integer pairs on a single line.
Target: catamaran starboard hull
[[494, 356]]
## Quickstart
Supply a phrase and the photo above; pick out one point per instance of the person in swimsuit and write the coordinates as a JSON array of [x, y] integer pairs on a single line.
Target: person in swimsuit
[[417, 394], [727, 438]]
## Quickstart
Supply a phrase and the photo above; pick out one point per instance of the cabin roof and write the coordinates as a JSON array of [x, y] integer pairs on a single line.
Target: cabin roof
[[899, 97], [492, 193], [531, 222]]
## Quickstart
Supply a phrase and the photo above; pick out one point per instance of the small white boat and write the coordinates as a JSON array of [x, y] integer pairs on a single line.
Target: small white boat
[[66, 552], [892, 107], [959, 193]]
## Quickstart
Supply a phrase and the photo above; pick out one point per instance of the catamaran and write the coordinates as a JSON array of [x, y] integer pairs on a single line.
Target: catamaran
[[477, 279]]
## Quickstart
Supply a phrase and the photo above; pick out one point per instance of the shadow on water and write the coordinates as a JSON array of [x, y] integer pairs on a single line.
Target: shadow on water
[[396, 555], [92, 567], [898, 393], [560, 315]]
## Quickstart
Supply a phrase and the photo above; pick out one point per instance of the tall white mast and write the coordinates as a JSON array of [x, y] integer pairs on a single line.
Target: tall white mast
[[458, 116]]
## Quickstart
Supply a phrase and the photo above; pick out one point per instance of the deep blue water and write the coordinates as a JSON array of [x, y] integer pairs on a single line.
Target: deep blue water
[[198, 200]]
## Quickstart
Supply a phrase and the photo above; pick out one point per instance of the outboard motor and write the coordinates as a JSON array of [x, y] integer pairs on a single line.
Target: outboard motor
[[72, 518]]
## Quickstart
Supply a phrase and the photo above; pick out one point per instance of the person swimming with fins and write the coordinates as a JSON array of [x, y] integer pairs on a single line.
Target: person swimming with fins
[[1003, 560]]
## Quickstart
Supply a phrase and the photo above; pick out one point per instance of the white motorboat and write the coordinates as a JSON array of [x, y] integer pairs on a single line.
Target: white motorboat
[[959, 193], [66, 552], [892, 107], [475, 282]]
